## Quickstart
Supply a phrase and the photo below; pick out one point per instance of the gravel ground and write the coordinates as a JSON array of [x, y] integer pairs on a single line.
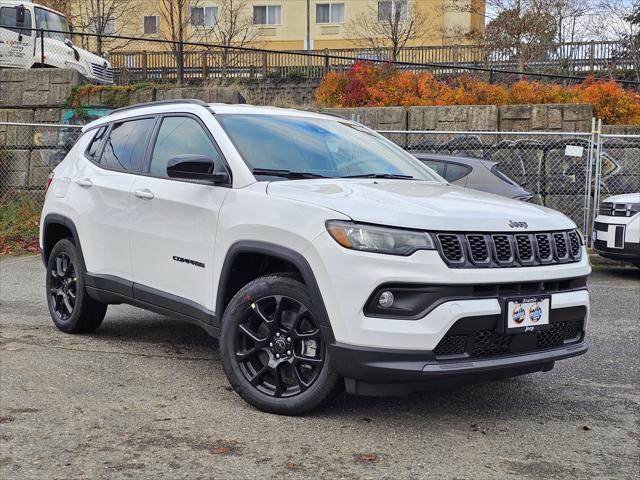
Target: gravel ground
[[145, 397]]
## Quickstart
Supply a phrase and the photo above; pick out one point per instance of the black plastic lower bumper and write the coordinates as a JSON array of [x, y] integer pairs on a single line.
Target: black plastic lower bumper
[[374, 371], [630, 252]]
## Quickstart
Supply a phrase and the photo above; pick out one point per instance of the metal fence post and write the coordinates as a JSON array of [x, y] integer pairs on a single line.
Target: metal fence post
[[265, 65], [327, 66], [205, 66], [598, 174], [42, 46], [144, 65], [587, 188]]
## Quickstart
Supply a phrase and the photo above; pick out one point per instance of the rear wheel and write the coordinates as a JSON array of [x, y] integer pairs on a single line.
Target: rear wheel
[[71, 309], [273, 352]]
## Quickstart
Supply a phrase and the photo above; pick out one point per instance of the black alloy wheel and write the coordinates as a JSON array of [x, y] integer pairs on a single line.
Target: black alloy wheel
[[63, 286], [279, 347], [71, 308]]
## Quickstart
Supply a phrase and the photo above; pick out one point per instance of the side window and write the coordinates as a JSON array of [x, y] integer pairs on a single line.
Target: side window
[[94, 147], [125, 147], [437, 167], [180, 136], [456, 172], [8, 20]]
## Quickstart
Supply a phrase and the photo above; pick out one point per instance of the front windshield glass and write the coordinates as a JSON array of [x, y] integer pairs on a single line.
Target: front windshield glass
[[319, 146], [47, 20]]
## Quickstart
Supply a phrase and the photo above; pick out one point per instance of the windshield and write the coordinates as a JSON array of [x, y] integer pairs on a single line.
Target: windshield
[[318, 146], [47, 20]]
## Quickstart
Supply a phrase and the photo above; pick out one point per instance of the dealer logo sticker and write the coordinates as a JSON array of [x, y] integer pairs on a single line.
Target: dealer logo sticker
[[535, 313], [518, 313]]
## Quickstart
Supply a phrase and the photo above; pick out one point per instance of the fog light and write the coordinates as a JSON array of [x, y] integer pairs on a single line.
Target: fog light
[[385, 300]]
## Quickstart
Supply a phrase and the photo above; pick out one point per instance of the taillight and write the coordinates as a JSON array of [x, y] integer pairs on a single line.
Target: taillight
[[49, 180]]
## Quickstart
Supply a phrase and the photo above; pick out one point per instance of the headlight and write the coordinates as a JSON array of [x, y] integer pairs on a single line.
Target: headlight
[[633, 208], [371, 238]]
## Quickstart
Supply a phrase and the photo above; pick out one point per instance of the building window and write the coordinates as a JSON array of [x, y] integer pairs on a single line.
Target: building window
[[267, 14], [330, 13], [204, 16], [102, 25], [151, 24], [392, 9]]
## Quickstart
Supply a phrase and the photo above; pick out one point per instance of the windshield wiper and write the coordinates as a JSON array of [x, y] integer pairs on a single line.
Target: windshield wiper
[[380, 175], [285, 173]]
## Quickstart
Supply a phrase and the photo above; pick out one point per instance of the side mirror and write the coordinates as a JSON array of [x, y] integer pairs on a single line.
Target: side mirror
[[195, 167], [20, 14]]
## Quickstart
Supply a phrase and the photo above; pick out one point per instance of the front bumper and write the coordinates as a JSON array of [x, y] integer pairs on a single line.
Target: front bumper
[[369, 371], [346, 280], [629, 253]]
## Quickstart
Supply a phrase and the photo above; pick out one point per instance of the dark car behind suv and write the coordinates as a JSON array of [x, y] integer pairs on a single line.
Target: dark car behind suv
[[475, 173]]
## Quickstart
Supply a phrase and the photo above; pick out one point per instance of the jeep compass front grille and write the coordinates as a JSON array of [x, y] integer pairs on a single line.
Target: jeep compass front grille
[[451, 247], [474, 250]]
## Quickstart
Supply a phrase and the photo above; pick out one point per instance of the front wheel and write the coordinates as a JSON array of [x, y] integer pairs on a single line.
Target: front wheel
[[273, 352]]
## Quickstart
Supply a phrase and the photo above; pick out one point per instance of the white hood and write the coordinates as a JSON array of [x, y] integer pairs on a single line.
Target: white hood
[[624, 198], [420, 205]]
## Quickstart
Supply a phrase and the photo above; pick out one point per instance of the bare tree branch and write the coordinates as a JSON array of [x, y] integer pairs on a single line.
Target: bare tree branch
[[390, 29]]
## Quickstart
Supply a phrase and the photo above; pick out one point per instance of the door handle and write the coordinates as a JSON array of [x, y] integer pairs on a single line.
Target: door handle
[[146, 193], [84, 182]]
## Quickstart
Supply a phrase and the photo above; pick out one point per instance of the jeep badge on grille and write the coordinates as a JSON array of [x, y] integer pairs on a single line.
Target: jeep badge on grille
[[513, 224]]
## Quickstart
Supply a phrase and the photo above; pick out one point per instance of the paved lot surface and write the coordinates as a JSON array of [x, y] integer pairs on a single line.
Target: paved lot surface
[[146, 397]]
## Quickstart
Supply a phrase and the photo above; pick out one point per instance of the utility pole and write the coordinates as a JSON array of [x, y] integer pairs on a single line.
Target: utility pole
[[308, 45]]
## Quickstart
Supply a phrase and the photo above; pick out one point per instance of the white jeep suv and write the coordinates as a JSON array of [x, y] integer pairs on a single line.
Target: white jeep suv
[[321, 255]]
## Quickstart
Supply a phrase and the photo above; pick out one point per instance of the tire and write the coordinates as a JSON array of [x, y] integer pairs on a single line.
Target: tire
[[272, 348], [71, 308]]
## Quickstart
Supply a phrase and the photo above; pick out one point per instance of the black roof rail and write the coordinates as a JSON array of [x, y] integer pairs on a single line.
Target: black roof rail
[[191, 101]]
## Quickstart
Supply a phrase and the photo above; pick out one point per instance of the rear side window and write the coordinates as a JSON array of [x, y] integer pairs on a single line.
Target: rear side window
[[181, 136], [93, 151], [437, 167], [8, 20], [126, 145], [456, 172]]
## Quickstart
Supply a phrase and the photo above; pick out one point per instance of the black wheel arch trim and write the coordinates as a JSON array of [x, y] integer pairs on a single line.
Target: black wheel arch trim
[[57, 219], [283, 253]]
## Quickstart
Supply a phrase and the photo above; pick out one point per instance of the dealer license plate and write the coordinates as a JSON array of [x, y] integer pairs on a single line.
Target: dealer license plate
[[527, 314]]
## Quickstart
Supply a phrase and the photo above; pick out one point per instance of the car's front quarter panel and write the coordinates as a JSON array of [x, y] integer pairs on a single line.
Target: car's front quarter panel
[[250, 215]]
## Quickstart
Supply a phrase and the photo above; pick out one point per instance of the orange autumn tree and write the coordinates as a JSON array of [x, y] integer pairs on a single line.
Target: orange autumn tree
[[368, 85]]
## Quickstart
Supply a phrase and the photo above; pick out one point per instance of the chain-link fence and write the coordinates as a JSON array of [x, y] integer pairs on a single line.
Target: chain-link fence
[[553, 166], [28, 153], [569, 172]]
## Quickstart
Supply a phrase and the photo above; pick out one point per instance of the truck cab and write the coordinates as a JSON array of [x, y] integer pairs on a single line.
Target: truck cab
[[35, 36]]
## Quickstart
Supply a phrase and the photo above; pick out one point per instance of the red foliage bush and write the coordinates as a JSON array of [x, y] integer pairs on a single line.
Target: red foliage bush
[[368, 85]]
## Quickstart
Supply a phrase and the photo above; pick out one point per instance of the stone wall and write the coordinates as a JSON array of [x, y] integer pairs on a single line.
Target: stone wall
[[506, 118], [621, 129], [27, 153], [280, 92], [36, 88]]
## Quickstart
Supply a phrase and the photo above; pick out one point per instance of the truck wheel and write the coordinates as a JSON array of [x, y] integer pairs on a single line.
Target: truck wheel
[[71, 308], [272, 348]]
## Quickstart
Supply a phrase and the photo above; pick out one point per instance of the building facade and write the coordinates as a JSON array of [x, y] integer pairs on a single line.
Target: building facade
[[305, 24]]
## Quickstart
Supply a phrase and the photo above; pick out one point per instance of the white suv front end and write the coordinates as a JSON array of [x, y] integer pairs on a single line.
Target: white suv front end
[[616, 232]]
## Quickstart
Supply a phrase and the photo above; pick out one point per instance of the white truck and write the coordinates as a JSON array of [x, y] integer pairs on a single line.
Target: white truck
[[34, 36]]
